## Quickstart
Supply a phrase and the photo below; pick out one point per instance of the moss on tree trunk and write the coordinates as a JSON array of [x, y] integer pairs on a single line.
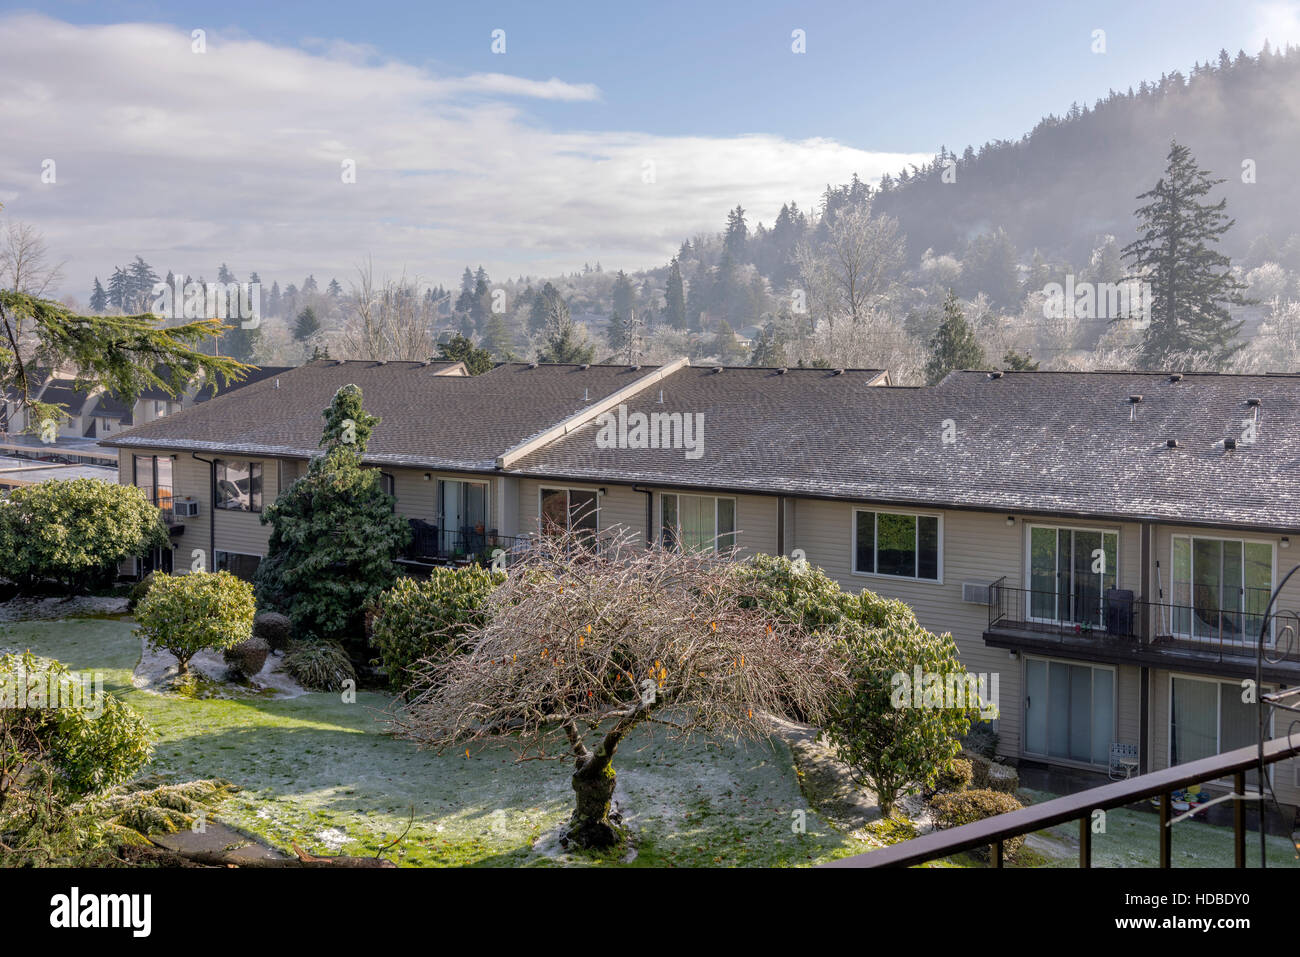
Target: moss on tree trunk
[[591, 826]]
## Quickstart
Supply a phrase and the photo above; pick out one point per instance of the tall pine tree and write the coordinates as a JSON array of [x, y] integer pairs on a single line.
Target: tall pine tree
[[1192, 284], [675, 296]]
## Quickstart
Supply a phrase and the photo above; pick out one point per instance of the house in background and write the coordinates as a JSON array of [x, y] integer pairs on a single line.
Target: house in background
[[1102, 543]]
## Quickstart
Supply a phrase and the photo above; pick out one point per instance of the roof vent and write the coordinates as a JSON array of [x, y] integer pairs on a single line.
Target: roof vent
[[380, 362], [781, 371], [1254, 403], [585, 366], [1229, 444], [997, 374], [715, 370], [532, 365], [426, 363], [636, 367], [838, 372], [1134, 399], [1171, 443], [1176, 377]]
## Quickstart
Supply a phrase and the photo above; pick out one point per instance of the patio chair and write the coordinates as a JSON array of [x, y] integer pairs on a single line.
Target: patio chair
[[1123, 761]]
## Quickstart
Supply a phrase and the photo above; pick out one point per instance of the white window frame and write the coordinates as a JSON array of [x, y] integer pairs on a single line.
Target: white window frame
[[1024, 721], [877, 512], [1218, 712], [568, 491], [1058, 527], [735, 514], [1191, 551]]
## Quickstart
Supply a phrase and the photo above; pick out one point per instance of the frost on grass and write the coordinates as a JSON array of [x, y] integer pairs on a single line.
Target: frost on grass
[[157, 672]]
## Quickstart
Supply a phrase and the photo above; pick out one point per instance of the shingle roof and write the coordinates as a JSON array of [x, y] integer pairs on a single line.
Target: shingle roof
[[1043, 442], [61, 392], [205, 393], [429, 420]]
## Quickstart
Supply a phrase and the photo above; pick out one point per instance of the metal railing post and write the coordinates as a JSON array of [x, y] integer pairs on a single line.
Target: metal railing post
[[1166, 833], [1239, 820], [1085, 842]]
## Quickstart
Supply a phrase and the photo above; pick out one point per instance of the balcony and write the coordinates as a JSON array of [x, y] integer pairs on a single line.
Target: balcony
[[1118, 628], [432, 547]]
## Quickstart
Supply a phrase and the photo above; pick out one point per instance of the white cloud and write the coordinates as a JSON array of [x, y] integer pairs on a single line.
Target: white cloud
[[1276, 22], [235, 155]]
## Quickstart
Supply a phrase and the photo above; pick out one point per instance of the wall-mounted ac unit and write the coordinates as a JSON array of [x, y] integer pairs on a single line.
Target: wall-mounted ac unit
[[977, 593], [186, 509]]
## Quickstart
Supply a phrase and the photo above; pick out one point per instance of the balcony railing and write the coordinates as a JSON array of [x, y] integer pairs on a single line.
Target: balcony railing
[[431, 545], [1116, 615], [992, 832]]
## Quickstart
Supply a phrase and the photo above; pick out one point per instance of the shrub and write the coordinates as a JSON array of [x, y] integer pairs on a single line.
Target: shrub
[[92, 742], [273, 628], [139, 590], [956, 775], [75, 531], [320, 665], [185, 614], [247, 658], [995, 777], [981, 740], [334, 535], [965, 807], [416, 618]]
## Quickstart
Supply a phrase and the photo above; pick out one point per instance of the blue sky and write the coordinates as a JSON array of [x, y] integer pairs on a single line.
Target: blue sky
[[533, 161], [897, 76]]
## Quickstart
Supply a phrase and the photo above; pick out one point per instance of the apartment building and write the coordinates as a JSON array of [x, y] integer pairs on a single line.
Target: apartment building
[[1104, 543]]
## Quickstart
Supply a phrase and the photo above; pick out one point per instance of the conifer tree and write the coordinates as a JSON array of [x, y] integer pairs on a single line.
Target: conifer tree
[[1192, 283], [953, 345]]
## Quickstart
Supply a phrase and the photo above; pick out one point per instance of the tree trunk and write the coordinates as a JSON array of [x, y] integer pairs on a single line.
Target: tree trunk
[[591, 826]]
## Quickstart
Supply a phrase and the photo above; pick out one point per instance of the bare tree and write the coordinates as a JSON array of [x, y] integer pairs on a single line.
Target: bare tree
[[854, 268], [387, 320], [583, 644], [25, 264]]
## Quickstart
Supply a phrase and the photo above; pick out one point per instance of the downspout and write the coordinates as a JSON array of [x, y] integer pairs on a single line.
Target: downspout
[[212, 510], [780, 525], [649, 513], [1144, 673]]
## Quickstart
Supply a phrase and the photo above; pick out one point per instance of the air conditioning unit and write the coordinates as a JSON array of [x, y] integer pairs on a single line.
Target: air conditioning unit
[[186, 509], [977, 593]]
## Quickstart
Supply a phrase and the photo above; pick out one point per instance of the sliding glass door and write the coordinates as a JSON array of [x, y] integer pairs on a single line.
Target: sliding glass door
[[462, 516], [1221, 587], [1069, 572], [1069, 711]]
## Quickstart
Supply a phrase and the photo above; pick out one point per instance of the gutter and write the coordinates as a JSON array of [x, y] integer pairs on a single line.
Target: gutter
[[579, 419], [212, 510], [649, 513]]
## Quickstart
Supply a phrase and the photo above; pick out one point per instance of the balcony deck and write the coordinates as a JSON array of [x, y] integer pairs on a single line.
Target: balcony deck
[[1118, 637]]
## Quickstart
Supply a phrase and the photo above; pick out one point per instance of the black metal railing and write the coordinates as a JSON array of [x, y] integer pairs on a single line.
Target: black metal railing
[[994, 831], [1116, 614], [433, 545]]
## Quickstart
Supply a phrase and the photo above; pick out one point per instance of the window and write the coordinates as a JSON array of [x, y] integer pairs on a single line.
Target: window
[[1069, 711], [569, 509], [1070, 570], [153, 474], [896, 544], [239, 485], [698, 522], [242, 566], [1221, 587], [1208, 717], [462, 516]]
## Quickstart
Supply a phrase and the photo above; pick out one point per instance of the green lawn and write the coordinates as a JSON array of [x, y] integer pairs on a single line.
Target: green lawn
[[322, 774]]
